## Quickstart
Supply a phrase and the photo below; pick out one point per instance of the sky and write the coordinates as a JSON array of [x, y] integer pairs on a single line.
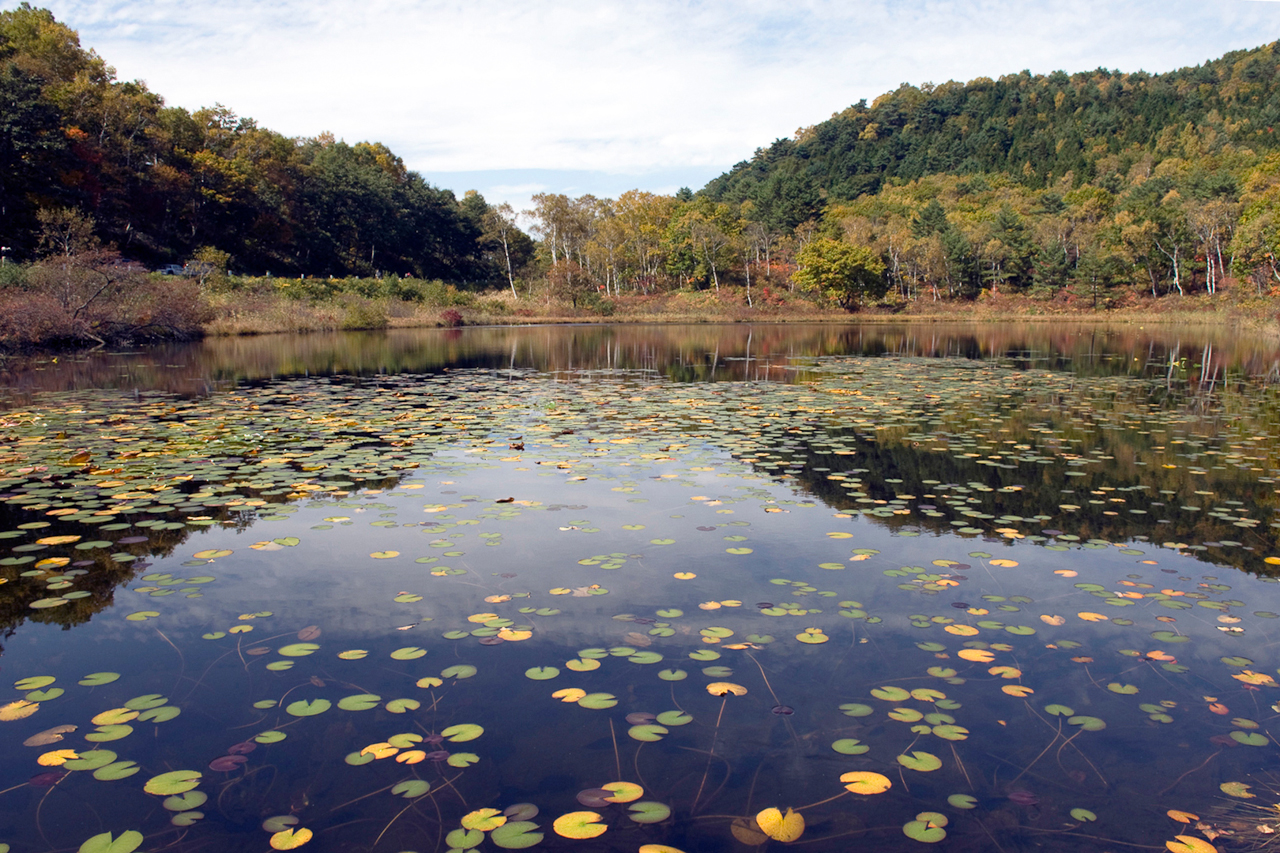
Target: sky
[[601, 96]]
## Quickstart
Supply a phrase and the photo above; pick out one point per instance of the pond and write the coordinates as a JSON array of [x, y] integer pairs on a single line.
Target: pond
[[644, 589]]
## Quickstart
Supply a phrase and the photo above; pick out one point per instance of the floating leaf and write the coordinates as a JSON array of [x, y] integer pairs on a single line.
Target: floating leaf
[[781, 827], [857, 709], [648, 733], [962, 801], [1083, 815], [458, 670], [411, 788], [173, 782], [183, 802], [865, 782], [125, 842], [462, 759], [1190, 844], [400, 706], [97, 679], [1237, 789], [516, 835], [850, 746], [408, 653], [305, 708], [598, 701], [297, 650], [649, 812], [1089, 724], [462, 732], [116, 771], [582, 824], [922, 761], [357, 702], [726, 688], [674, 718], [290, 839], [927, 827]]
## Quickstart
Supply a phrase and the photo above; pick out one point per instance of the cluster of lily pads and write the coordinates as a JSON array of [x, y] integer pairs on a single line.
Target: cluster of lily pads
[[1067, 498]]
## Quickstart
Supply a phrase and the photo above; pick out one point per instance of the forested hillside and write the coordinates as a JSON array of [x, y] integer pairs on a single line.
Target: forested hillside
[[1095, 185], [160, 182], [1088, 128]]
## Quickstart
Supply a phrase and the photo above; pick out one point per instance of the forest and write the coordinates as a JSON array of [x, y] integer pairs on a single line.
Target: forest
[[1081, 187]]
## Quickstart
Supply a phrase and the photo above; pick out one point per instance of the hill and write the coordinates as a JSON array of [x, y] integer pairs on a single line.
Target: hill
[[1090, 128]]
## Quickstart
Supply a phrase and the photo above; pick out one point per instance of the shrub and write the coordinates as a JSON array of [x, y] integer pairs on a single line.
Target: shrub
[[451, 317], [364, 314]]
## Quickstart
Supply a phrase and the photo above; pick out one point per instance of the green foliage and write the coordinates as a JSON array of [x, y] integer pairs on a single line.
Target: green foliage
[[846, 273], [168, 184]]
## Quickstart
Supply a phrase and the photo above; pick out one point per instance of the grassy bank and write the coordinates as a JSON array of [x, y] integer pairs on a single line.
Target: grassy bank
[[263, 306], [47, 307]]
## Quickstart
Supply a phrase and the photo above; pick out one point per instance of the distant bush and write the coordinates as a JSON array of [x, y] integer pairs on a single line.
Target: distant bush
[[364, 314], [451, 317]]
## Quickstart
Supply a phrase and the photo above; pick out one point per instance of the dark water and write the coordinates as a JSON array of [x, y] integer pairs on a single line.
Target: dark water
[[1021, 574]]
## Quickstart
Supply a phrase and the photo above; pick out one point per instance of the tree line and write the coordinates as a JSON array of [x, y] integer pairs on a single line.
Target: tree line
[[1084, 185], [160, 183]]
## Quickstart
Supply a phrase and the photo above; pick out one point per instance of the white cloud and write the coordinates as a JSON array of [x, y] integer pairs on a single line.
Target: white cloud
[[610, 87]]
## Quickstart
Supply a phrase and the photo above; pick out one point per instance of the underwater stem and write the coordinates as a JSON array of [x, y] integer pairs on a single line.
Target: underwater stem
[[1188, 773], [694, 808]]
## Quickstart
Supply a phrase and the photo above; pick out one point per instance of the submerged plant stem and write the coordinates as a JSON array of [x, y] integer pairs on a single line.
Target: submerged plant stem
[[710, 754], [1199, 766]]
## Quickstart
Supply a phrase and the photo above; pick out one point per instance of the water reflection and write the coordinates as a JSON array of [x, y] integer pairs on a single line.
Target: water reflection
[[1199, 358], [360, 572]]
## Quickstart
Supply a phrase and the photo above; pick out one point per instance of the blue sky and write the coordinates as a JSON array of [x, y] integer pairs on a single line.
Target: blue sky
[[600, 96]]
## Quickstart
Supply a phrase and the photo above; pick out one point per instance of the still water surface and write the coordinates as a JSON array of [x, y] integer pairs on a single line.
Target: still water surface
[[980, 588]]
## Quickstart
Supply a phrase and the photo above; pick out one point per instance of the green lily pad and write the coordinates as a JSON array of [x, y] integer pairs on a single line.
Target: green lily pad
[[146, 702], [1250, 738], [856, 709], [1083, 815], [648, 811], [850, 746], [35, 682], [674, 718], [464, 839], [648, 733], [459, 670], [270, 737], [408, 653], [297, 650], [598, 701], [541, 673], [962, 801], [97, 679], [163, 714], [462, 732], [173, 782], [922, 761], [411, 788], [1089, 724], [462, 759], [891, 694], [183, 802], [125, 842], [116, 771], [645, 657], [516, 835], [305, 708], [357, 702], [90, 759], [673, 675], [106, 734]]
